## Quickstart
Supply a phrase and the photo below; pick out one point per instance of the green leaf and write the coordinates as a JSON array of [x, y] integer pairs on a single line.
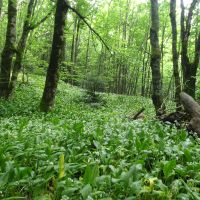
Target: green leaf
[[192, 193], [61, 166], [91, 173], [188, 155], [86, 191], [169, 167]]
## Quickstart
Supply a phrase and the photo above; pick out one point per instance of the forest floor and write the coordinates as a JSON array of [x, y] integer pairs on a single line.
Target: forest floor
[[77, 151]]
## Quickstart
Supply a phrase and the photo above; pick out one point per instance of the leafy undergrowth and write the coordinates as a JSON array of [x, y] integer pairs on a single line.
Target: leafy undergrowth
[[80, 152]]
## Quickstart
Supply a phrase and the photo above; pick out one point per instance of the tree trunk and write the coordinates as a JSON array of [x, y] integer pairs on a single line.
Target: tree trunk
[[9, 50], [21, 47], [52, 77], [1, 6], [74, 49], [74, 39], [155, 59], [175, 54], [144, 66], [162, 52], [189, 68], [87, 57], [148, 82]]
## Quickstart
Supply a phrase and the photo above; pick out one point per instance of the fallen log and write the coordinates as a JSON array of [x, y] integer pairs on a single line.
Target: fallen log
[[190, 118], [174, 117], [190, 105], [138, 115], [193, 109]]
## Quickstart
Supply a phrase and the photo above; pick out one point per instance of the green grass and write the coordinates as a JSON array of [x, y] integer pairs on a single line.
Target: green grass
[[80, 152]]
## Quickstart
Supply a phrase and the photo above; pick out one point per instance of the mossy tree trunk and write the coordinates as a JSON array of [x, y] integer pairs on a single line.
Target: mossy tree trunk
[[155, 59], [175, 53], [9, 50], [21, 46], [189, 66], [52, 76]]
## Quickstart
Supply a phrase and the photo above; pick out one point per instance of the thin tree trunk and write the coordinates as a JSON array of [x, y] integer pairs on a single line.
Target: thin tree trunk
[[124, 46], [144, 66], [148, 87], [148, 69], [162, 52], [52, 77], [74, 39], [155, 59], [87, 52], [21, 47], [175, 54], [1, 6], [74, 49], [77, 41], [9, 49]]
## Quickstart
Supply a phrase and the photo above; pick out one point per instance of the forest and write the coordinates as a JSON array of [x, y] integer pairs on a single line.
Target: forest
[[100, 99]]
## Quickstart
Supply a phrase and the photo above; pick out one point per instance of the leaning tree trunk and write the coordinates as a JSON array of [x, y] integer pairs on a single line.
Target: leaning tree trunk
[[155, 59], [175, 53], [9, 50], [189, 68], [53, 70], [21, 47]]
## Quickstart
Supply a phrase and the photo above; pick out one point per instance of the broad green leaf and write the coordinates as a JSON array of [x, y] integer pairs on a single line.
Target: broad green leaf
[[86, 191], [169, 167], [91, 173]]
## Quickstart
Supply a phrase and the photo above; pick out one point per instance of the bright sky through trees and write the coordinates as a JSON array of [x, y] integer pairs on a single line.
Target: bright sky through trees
[[186, 2]]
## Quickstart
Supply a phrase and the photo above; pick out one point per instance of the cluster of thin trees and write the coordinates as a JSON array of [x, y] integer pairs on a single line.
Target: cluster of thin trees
[[189, 66], [10, 67]]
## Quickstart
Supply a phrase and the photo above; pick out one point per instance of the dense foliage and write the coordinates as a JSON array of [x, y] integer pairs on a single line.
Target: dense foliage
[[103, 60], [80, 152]]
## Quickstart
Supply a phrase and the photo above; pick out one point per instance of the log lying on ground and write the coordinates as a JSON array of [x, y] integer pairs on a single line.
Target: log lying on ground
[[191, 116], [174, 117], [194, 125], [190, 105], [138, 115], [193, 109]]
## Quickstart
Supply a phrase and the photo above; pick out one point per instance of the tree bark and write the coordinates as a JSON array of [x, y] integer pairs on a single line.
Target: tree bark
[[175, 53], [162, 46], [52, 77], [1, 6], [21, 47], [144, 66], [9, 49], [193, 109], [155, 59], [189, 68]]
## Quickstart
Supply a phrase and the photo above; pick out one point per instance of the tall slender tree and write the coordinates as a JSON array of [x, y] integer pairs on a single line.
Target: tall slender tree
[[175, 53], [9, 50], [52, 77], [189, 66], [155, 59], [21, 46]]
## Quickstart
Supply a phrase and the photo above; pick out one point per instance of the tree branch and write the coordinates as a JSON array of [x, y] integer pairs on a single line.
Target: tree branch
[[33, 26], [190, 15], [89, 26]]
